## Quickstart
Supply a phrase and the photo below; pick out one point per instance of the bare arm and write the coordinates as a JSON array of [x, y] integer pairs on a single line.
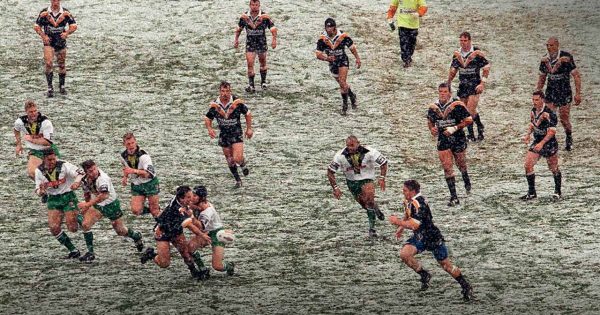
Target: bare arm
[[208, 124], [274, 39], [451, 74], [249, 131], [541, 82], [383, 172], [355, 53], [577, 79], [336, 189], [19, 146], [236, 41]]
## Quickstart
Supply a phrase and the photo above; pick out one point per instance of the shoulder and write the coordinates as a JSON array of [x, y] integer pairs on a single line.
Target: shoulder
[[67, 12], [44, 13]]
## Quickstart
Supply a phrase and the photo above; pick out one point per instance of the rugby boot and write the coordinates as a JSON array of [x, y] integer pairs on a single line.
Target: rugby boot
[[568, 143], [453, 202], [471, 137], [353, 100], [556, 196], [62, 90], [344, 111], [480, 136], [231, 269], [425, 278], [238, 184], [263, 86], [467, 292], [379, 214], [202, 274], [74, 254], [50, 92], [88, 257], [529, 196], [372, 233], [250, 89], [245, 171], [139, 245], [149, 254], [468, 188]]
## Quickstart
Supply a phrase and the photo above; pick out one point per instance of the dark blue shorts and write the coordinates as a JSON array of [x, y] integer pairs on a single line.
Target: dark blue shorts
[[440, 251]]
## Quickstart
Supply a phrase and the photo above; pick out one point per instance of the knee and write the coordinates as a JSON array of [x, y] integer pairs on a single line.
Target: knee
[[55, 230], [121, 231], [137, 209], [72, 226], [218, 265], [404, 256], [48, 65], [162, 262]]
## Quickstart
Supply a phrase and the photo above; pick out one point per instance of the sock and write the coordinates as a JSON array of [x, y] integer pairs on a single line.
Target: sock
[[227, 266], [470, 130], [531, 183], [80, 219], [477, 121], [64, 239], [371, 216], [198, 259], [89, 240], [191, 267], [251, 80], [235, 173], [243, 164], [146, 210], [61, 79], [569, 139], [345, 98], [133, 234], [49, 77], [451, 186], [423, 273], [263, 76], [351, 93], [466, 179], [462, 281], [557, 182]]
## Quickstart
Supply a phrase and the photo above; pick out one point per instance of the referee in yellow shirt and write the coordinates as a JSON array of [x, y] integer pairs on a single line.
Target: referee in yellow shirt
[[409, 14]]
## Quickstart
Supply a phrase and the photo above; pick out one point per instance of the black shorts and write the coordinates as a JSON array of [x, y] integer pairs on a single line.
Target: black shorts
[[57, 43], [456, 144], [559, 97], [257, 46], [226, 140], [334, 67], [549, 149], [170, 236], [466, 89]]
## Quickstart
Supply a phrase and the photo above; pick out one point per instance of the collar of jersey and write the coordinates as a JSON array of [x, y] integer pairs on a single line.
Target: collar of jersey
[[334, 37], [250, 15], [464, 54], [60, 11], [218, 101], [416, 196]]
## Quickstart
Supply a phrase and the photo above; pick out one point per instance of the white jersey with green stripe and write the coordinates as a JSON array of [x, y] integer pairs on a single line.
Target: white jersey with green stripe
[[102, 184], [359, 165], [211, 219], [58, 180], [144, 162], [46, 130]]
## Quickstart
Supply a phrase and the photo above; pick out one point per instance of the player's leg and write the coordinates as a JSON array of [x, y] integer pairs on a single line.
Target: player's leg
[[454, 271], [123, 230], [61, 58], [553, 166], [405, 42], [564, 113], [137, 204], [218, 262], [154, 205], [472, 103], [262, 60], [460, 159], [530, 160], [90, 217], [367, 198], [48, 65], [447, 159], [228, 153], [411, 38], [342, 80], [238, 157], [162, 257], [182, 246], [250, 59], [55, 218], [407, 254], [33, 162]]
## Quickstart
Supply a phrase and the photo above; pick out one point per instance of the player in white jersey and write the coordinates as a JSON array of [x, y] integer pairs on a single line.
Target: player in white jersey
[[358, 164], [101, 200], [208, 220], [37, 133], [57, 179], [138, 169]]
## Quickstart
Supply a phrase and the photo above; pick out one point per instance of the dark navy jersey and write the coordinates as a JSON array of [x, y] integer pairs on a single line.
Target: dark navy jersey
[[558, 70], [335, 46], [418, 209], [53, 25], [255, 26], [228, 115], [541, 122], [447, 115], [171, 219], [469, 66]]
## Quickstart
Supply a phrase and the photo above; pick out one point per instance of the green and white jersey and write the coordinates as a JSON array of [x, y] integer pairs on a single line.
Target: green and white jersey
[[139, 160], [359, 165], [210, 219], [59, 179], [102, 184], [41, 127], [405, 12]]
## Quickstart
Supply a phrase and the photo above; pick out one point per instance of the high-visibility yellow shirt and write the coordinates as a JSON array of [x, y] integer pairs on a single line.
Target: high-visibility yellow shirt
[[404, 13]]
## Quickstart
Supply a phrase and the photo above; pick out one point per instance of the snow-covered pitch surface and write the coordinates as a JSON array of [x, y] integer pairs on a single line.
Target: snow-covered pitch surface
[[153, 66]]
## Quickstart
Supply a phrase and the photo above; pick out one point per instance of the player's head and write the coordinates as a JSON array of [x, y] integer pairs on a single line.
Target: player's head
[[90, 168], [352, 144], [225, 89], [201, 192], [330, 26], [55, 3], [552, 44], [411, 188], [130, 142], [49, 158], [184, 195], [31, 109], [444, 92], [465, 40], [537, 98], [254, 5]]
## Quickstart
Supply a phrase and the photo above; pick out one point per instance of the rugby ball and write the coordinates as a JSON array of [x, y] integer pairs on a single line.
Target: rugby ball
[[226, 236]]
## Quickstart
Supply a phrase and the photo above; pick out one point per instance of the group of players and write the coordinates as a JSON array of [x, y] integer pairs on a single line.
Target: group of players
[[189, 209]]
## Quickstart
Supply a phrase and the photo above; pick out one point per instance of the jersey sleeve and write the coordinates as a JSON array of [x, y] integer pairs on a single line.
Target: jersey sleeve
[[348, 42], [103, 184], [70, 18], [268, 23], [431, 116], [461, 113], [72, 170], [41, 19], [543, 69], [204, 218], [146, 164], [482, 62], [378, 158], [455, 63], [47, 130], [212, 113], [336, 163], [242, 23], [243, 109], [39, 178], [570, 66], [321, 45], [552, 119], [19, 126]]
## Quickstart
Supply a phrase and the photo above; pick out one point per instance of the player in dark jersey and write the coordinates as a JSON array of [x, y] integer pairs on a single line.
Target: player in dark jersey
[[543, 127], [169, 230], [446, 119], [228, 109], [255, 22], [54, 24], [330, 48], [418, 218], [473, 69], [557, 66]]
